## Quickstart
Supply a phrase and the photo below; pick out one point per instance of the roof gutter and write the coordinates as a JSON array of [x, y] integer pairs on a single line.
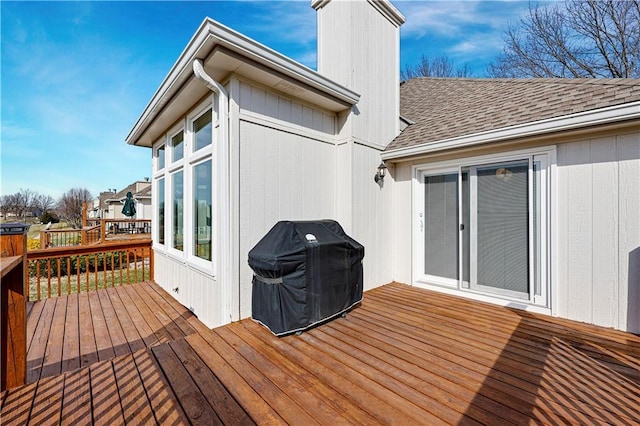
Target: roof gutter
[[596, 117]]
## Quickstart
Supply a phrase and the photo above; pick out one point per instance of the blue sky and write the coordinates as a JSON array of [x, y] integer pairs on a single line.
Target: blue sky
[[76, 75]]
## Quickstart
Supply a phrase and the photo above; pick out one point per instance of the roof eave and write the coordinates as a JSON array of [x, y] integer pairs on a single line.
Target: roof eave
[[211, 34], [612, 114]]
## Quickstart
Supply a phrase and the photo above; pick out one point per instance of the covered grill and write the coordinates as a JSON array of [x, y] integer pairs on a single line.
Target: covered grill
[[304, 273]]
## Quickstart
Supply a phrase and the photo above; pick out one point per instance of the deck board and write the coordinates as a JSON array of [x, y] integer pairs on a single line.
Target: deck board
[[77, 398], [404, 356], [135, 404], [70, 341], [87, 338]]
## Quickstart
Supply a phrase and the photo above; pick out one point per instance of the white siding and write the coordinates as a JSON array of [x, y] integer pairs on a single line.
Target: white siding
[[198, 291], [600, 205], [402, 253], [283, 176], [359, 48], [371, 216]]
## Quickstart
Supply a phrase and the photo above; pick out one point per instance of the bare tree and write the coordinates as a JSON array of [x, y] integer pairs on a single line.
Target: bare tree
[[44, 203], [70, 205], [5, 205], [576, 39], [24, 202], [440, 66]]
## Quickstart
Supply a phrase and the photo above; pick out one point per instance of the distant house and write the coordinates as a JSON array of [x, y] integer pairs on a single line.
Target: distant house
[[109, 204], [518, 192]]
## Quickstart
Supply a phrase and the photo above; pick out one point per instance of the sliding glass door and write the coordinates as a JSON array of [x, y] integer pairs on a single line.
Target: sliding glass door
[[483, 227]]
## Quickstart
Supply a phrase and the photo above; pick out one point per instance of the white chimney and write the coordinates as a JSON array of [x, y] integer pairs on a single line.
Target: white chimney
[[359, 47]]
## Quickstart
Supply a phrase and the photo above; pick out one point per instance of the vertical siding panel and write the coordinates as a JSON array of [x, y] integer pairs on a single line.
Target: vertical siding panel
[[579, 231], [284, 110], [272, 103], [605, 232], [629, 232], [258, 100]]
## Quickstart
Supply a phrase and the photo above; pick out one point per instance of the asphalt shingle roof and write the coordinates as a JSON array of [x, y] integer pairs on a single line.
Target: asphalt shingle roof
[[443, 108]]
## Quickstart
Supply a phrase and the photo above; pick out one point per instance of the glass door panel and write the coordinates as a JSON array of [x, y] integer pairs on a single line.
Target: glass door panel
[[441, 225], [501, 236]]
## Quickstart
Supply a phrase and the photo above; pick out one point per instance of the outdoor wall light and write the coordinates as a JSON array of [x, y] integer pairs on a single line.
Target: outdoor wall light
[[381, 173]]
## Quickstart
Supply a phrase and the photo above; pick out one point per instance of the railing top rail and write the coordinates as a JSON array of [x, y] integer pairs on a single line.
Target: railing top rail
[[8, 264], [124, 219], [92, 249], [61, 231]]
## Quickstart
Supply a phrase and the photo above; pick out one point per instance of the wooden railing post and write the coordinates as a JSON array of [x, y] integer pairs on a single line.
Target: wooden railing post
[[43, 239], [103, 236], [13, 305], [84, 215]]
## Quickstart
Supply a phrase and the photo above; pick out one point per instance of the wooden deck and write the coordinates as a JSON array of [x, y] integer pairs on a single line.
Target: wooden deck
[[405, 356]]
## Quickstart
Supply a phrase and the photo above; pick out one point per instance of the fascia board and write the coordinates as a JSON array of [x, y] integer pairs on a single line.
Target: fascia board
[[212, 33], [385, 7], [596, 117]]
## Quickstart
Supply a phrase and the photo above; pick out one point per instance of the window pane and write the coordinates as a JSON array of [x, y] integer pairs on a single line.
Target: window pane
[[441, 225], [161, 211], [178, 210], [202, 210], [202, 131], [503, 227], [161, 157], [177, 146]]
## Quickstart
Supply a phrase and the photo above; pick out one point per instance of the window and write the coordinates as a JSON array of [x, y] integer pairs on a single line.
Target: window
[[483, 225], [184, 189], [202, 210], [177, 147], [202, 131], [177, 197], [160, 206], [160, 157]]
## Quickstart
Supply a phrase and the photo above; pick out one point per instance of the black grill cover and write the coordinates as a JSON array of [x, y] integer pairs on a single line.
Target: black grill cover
[[304, 273]]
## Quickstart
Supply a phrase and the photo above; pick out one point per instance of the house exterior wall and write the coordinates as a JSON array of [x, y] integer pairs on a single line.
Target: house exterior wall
[[599, 231], [597, 275], [287, 152]]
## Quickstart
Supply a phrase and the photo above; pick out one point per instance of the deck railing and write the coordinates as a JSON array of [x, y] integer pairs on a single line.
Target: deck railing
[[13, 312], [97, 231], [67, 270]]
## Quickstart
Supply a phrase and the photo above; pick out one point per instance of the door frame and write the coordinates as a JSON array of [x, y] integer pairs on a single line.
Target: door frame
[[547, 301]]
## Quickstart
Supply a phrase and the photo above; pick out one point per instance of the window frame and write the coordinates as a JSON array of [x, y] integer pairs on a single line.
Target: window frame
[[187, 164]]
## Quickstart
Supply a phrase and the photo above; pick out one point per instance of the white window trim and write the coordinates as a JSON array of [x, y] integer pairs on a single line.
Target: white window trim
[[170, 163], [193, 159], [418, 277]]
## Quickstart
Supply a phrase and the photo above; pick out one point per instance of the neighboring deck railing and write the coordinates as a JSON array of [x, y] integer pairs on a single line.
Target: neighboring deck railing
[[97, 231], [67, 270]]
